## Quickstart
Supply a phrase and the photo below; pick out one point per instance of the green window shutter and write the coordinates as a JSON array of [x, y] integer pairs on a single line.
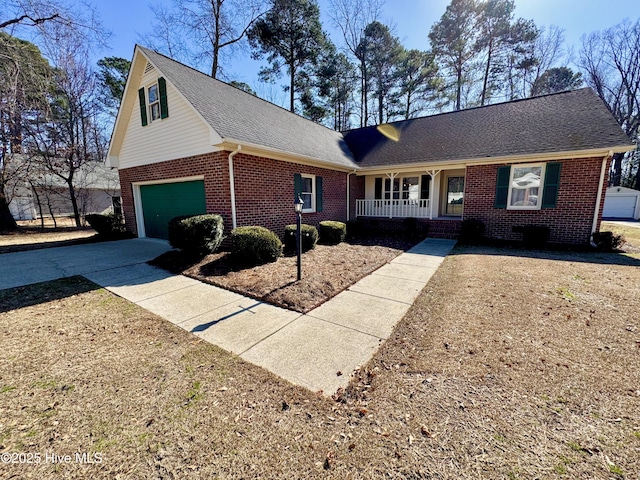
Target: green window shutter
[[551, 185], [143, 107], [319, 194], [425, 184], [297, 186], [502, 187], [164, 106], [378, 189]]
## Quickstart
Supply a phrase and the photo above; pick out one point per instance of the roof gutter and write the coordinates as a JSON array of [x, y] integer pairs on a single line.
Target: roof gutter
[[232, 186], [276, 154], [603, 171]]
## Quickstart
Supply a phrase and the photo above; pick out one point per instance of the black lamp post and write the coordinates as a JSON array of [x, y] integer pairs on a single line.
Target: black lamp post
[[298, 204]]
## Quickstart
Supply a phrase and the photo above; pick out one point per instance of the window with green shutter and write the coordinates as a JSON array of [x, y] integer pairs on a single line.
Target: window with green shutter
[[502, 187], [143, 107], [164, 106], [528, 186], [551, 185], [309, 189]]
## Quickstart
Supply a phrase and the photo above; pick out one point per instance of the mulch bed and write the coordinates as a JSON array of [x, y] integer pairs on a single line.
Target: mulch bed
[[326, 271]]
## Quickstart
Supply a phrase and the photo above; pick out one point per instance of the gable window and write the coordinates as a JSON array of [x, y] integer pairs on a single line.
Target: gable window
[[309, 188], [154, 102], [525, 187]]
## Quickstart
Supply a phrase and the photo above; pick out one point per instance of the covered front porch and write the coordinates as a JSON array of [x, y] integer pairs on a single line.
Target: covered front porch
[[427, 194]]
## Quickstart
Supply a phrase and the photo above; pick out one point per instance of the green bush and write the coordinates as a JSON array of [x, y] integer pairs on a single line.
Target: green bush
[[472, 231], [197, 235], [534, 236], [109, 225], [309, 237], [332, 233], [254, 245], [608, 241]]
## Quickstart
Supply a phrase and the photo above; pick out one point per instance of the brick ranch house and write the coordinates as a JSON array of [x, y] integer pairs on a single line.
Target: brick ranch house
[[185, 143]]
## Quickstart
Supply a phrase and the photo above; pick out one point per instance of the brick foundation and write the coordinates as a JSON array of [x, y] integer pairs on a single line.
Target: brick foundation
[[437, 228]]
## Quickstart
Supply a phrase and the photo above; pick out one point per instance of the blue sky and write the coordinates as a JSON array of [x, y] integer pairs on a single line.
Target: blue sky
[[412, 19]]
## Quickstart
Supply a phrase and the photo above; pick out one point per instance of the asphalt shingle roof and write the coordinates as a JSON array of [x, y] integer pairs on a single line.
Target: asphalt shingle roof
[[562, 122], [237, 115]]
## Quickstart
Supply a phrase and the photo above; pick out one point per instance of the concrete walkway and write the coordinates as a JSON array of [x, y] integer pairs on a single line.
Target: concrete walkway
[[318, 350]]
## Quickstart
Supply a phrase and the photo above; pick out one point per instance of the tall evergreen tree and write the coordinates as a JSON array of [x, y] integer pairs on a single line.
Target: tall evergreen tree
[[494, 22], [418, 83], [290, 35], [381, 52], [351, 17], [112, 77], [555, 80], [453, 41]]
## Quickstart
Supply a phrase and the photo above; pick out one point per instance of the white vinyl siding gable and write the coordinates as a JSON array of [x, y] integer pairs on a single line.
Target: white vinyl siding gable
[[182, 134]]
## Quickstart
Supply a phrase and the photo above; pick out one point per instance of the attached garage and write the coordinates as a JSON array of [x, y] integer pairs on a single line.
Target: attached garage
[[621, 202], [157, 203]]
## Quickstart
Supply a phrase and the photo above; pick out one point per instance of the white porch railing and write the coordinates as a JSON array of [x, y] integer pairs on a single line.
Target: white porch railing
[[392, 208]]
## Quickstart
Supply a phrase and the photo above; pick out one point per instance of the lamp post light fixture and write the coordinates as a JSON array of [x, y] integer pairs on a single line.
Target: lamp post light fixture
[[298, 204]]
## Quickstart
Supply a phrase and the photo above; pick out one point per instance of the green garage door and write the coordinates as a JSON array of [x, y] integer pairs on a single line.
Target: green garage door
[[162, 202]]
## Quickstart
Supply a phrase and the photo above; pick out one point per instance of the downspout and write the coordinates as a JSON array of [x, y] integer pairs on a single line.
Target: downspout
[[348, 196], [232, 186], [599, 196]]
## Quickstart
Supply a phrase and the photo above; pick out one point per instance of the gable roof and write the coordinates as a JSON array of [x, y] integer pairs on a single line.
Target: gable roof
[[563, 122], [239, 117]]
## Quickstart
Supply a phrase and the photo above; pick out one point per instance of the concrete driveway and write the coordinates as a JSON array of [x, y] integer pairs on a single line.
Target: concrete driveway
[[33, 266]]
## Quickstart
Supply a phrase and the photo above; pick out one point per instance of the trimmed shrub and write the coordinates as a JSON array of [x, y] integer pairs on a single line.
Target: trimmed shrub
[[108, 226], [534, 235], [309, 237], [472, 231], [254, 245], [410, 225], [197, 235], [608, 241], [332, 233]]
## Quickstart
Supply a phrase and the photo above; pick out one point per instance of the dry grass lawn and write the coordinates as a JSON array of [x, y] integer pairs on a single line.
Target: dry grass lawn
[[510, 365], [631, 235], [30, 235]]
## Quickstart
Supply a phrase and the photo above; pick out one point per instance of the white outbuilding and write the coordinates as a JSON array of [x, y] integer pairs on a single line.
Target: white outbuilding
[[621, 202]]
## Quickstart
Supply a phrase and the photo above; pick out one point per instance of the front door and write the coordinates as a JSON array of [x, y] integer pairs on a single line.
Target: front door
[[455, 196]]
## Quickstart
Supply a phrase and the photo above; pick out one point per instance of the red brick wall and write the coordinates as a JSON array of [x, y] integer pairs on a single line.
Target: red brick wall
[[356, 185], [570, 221], [264, 189], [264, 193]]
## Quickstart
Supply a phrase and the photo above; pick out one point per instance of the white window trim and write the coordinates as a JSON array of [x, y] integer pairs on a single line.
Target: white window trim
[[540, 188], [313, 192], [150, 105]]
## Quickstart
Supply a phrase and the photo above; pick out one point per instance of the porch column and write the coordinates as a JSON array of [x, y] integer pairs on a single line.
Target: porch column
[[391, 177], [432, 174]]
